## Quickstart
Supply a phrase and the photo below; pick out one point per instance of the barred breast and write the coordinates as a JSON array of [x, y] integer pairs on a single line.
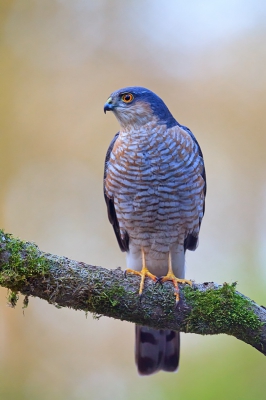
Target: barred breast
[[154, 177]]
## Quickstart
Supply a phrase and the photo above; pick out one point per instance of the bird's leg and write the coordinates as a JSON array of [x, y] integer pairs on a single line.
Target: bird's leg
[[171, 277], [143, 273]]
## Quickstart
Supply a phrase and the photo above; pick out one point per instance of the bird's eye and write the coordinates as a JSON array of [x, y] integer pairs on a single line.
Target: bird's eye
[[127, 97]]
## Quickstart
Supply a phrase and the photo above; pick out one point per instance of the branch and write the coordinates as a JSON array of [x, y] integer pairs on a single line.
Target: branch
[[205, 309]]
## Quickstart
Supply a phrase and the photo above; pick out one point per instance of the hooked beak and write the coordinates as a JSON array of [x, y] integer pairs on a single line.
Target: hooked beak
[[109, 106]]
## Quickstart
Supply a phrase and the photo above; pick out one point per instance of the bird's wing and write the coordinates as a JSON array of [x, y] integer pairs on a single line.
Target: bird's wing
[[122, 241], [201, 155], [191, 241]]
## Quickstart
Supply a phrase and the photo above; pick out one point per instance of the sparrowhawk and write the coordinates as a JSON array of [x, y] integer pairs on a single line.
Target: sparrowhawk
[[154, 188]]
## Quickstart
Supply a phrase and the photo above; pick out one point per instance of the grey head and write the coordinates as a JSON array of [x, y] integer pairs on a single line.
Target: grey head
[[135, 105]]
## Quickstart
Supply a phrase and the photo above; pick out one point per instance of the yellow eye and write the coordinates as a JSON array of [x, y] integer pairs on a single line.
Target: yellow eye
[[127, 97]]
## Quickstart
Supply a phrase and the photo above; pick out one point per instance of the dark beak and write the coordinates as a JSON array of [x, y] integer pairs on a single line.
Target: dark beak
[[108, 107]]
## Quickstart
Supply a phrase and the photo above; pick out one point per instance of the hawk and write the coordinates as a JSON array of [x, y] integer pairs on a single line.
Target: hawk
[[154, 188]]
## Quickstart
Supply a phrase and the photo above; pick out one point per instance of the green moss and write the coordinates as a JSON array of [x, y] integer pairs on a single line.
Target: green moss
[[221, 311], [25, 302], [12, 298], [106, 300], [20, 261]]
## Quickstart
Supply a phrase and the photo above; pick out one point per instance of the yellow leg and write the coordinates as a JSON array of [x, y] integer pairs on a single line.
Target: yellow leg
[[171, 277], [143, 273]]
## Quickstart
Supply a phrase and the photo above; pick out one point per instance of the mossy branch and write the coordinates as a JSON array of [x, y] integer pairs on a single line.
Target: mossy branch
[[205, 308]]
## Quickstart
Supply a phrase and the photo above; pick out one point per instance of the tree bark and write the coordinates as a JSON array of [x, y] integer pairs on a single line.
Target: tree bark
[[205, 308]]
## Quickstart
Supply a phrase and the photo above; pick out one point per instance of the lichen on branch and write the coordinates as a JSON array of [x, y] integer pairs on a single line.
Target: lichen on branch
[[205, 308]]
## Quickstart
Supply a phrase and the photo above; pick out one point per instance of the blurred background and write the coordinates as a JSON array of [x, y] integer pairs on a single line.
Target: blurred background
[[60, 60]]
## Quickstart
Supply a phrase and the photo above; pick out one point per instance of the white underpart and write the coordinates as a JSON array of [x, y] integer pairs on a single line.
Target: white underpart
[[154, 177], [157, 266]]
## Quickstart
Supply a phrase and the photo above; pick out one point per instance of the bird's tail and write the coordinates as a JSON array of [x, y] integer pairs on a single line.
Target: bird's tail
[[156, 350]]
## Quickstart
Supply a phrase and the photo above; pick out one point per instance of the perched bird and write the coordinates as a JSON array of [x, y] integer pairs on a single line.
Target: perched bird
[[154, 188]]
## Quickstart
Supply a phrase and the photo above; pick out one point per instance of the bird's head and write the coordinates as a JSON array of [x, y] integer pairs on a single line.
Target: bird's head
[[136, 106]]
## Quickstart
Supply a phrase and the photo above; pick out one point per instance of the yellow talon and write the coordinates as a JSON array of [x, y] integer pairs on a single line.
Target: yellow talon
[[172, 278], [143, 273]]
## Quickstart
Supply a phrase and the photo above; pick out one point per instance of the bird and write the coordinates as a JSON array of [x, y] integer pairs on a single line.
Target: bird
[[154, 189]]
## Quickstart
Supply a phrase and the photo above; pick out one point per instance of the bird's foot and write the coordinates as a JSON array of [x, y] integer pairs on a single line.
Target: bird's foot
[[143, 274], [170, 277]]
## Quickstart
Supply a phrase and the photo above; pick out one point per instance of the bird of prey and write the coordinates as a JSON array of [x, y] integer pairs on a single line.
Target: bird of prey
[[154, 188]]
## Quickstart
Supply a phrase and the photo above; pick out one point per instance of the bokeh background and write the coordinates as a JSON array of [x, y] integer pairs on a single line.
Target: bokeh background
[[60, 60]]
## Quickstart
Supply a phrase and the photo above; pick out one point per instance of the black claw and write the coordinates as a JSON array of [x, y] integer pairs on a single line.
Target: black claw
[[140, 297], [178, 303], [125, 273], [159, 280]]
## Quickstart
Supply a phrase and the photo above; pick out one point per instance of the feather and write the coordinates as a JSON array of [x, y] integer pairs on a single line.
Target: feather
[[154, 188], [156, 350], [122, 241]]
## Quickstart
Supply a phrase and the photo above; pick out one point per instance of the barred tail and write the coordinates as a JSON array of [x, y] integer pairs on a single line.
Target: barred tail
[[156, 350]]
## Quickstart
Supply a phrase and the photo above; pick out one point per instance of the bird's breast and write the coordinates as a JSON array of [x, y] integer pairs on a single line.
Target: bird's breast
[[154, 177]]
